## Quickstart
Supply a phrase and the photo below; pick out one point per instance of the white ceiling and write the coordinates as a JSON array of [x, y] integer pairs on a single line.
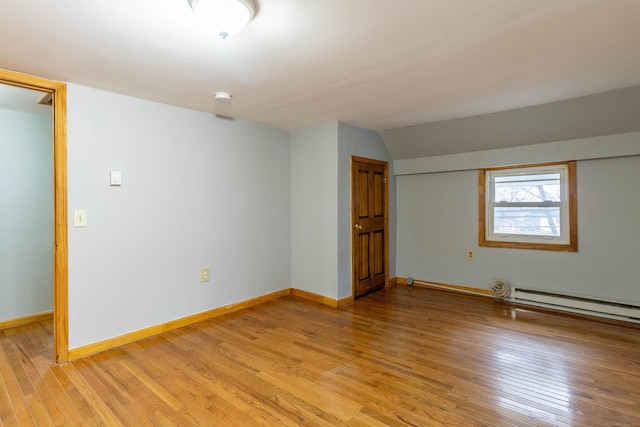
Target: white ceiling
[[377, 64]]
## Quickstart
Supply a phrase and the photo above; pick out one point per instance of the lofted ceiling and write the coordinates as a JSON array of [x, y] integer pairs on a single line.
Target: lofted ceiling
[[385, 65]]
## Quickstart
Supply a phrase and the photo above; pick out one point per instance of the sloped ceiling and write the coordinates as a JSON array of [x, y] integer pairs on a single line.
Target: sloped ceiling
[[607, 113], [378, 64]]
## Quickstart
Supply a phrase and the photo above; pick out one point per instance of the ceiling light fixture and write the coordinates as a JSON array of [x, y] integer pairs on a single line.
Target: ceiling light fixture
[[227, 17]]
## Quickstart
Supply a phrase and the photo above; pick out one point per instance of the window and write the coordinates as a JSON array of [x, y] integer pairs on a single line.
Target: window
[[529, 207]]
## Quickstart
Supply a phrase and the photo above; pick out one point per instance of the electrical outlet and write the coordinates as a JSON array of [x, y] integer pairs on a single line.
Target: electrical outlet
[[204, 275], [471, 255]]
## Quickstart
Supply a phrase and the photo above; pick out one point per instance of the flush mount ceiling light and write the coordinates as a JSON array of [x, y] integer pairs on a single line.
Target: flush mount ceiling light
[[226, 17]]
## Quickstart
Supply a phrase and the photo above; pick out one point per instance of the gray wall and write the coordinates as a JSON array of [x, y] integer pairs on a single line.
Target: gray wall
[[26, 214], [198, 191], [601, 114], [354, 141], [438, 222], [321, 204], [314, 214], [263, 208]]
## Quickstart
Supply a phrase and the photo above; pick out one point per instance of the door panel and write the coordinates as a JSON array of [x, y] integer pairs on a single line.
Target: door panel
[[370, 211], [378, 252], [378, 195], [364, 257], [363, 194]]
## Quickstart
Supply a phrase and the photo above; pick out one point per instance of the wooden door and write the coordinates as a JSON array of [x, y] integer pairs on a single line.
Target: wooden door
[[369, 224]]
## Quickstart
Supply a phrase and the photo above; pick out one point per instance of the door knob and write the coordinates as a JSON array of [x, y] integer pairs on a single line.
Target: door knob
[[357, 227]]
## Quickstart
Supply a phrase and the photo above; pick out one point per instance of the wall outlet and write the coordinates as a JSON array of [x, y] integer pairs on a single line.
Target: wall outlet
[[471, 255], [204, 275]]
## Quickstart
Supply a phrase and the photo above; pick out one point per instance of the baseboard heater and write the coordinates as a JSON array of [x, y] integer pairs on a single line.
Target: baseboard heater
[[571, 303]]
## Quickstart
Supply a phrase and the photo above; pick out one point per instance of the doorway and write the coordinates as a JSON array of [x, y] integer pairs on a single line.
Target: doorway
[[57, 90], [370, 223]]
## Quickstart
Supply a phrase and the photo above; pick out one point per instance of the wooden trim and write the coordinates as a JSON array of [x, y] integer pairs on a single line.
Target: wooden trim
[[525, 245], [386, 224], [444, 286], [393, 281], [346, 301], [352, 215], [79, 352], [331, 302], [28, 81], [482, 226], [573, 206], [60, 248], [61, 304], [572, 246], [25, 320], [532, 165], [367, 160], [310, 296]]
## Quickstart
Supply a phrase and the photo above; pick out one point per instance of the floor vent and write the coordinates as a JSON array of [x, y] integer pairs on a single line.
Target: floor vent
[[591, 306]]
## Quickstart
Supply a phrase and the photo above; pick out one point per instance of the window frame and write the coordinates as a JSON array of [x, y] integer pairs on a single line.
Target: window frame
[[512, 240]]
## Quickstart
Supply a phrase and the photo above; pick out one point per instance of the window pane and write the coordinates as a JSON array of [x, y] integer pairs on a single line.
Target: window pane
[[530, 220], [527, 188]]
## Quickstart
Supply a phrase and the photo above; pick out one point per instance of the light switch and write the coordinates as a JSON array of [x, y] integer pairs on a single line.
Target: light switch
[[79, 218], [116, 178]]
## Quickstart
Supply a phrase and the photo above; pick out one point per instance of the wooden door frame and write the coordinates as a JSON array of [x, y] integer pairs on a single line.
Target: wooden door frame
[[354, 279], [58, 91]]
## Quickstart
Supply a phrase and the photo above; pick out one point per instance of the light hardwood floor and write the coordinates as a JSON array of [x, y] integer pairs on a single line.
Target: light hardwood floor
[[401, 356]]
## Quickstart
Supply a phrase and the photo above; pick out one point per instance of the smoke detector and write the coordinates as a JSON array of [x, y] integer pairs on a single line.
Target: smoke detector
[[222, 96]]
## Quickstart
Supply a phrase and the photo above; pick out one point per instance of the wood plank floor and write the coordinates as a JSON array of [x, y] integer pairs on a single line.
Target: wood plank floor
[[402, 356]]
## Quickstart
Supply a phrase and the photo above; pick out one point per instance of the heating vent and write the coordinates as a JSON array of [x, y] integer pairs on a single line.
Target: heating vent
[[577, 304]]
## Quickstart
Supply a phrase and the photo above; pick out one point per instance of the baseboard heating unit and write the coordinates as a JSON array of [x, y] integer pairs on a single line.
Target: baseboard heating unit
[[594, 307]]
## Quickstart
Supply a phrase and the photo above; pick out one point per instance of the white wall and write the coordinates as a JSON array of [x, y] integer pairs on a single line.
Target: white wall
[[314, 209], [354, 141], [197, 191], [438, 221], [26, 215]]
